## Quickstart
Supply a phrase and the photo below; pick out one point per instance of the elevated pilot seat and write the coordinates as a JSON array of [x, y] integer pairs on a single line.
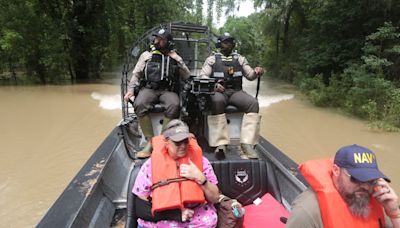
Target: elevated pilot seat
[[205, 86], [157, 117], [234, 118]]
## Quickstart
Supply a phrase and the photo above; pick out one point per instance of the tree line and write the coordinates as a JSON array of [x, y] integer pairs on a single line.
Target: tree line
[[340, 53], [51, 40]]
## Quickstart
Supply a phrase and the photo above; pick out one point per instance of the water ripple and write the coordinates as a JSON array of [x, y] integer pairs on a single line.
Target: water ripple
[[265, 101], [108, 102]]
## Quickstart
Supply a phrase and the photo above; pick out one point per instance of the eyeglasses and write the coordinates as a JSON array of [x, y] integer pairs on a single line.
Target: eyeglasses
[[355, 181], [185, 141]]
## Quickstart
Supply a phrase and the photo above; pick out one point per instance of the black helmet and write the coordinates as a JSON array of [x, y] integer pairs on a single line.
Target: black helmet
[[164, 34], [224, 37]]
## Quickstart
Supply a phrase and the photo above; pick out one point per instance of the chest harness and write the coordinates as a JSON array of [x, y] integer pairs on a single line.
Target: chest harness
[[228, 71], [161, 72]]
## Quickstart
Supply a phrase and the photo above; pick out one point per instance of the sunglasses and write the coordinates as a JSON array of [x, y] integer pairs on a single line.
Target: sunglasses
[[355, 181]]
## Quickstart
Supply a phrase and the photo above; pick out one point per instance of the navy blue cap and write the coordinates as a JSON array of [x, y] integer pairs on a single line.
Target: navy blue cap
[[360, 162]]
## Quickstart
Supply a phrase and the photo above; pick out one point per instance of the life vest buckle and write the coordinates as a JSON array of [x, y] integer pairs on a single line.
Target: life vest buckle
[[163, 182]]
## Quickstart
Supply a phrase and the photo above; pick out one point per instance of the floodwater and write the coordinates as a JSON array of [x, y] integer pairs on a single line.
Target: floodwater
[[48, 132]]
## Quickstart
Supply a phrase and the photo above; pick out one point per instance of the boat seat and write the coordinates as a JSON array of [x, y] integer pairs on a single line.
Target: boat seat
[[157, 108], [157, 117], [246, 180], [234, 119], [131, 219], [231, 109]]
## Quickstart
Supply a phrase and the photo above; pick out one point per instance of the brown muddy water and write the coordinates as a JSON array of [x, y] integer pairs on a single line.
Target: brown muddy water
[[48, 132]]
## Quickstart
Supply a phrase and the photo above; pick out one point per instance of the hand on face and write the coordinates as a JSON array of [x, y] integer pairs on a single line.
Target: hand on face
[[191, 172], [386, 196], [174, 55]]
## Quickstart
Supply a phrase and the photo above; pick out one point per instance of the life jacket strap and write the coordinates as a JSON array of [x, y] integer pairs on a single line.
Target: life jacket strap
[[168, 181]]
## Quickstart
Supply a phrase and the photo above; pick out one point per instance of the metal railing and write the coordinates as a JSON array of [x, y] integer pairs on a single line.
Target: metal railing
[[193, 42]]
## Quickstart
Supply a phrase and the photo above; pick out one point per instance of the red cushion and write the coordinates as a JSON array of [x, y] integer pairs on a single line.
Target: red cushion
[[266, 214]]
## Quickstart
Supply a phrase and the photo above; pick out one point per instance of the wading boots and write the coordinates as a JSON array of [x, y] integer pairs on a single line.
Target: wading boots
[[250, 133], [147, 129], [218, 134]]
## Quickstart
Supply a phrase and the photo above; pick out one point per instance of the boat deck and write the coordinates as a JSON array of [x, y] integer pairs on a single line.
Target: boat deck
[[232, 154], [98, 194]]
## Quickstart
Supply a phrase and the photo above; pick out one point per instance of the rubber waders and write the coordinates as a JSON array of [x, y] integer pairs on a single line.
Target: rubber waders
[[218, 134], [250, 134], [147, 129]]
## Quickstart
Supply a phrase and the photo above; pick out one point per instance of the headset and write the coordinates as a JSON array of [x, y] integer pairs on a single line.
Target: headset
[[164, 33]]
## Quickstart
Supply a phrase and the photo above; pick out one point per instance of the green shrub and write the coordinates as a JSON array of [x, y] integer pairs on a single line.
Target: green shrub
[[371, 109], [392, 108]]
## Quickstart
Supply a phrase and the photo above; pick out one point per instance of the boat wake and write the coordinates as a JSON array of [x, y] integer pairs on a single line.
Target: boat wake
[[112, 102], [265, 101], [107, 102]]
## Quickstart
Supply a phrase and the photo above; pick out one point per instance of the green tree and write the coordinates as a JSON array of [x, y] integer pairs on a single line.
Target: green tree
[[51, 38], [248, 34]]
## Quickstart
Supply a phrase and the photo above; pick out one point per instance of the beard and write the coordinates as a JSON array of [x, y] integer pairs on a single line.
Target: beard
[[226, 51], [357, 201]]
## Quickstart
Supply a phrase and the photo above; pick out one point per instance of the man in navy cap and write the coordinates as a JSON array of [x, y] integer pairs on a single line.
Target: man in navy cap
[[160, 68], [349, 191]]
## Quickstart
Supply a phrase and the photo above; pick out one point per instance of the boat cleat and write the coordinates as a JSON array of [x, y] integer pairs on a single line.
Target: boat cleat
[[220, 152], [248, 152]]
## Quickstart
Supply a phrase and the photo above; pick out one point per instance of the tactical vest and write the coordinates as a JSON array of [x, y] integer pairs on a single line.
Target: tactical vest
[[228, 71], [161, 72]]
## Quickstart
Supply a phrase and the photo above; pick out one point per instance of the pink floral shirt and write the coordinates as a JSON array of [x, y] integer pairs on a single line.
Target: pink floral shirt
[[204, 216]]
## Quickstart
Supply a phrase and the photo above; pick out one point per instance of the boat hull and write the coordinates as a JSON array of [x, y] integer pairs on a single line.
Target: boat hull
[[97, 195]]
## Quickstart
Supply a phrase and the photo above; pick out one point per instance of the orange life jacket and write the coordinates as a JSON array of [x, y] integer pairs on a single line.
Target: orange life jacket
[[176, 194], [334, 210]]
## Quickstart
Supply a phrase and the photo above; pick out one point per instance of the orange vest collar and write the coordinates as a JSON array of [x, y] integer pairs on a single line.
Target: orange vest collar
[[174, 195], [334, 211]]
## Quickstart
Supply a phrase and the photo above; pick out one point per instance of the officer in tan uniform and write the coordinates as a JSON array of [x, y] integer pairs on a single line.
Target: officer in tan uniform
[[228, 69], [161, 68]]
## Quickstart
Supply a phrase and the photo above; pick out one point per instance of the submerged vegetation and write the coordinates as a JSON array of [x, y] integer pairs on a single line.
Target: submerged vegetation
[[340, 53]]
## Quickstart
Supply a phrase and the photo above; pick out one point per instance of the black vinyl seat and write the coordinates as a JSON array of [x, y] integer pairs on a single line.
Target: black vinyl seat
[[157, 108], [231, 109], [131, 218], [244, 180]]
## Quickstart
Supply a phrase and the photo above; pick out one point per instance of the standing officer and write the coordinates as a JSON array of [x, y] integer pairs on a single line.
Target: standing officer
[[161, 68], [228, 69]]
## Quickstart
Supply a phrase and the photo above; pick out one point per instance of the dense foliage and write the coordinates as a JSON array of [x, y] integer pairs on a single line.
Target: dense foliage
[[51, 40], [341, 53]]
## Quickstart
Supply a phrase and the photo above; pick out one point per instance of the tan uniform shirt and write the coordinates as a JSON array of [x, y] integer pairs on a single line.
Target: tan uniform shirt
[[305, 212], [248, 71], [138, 71]]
